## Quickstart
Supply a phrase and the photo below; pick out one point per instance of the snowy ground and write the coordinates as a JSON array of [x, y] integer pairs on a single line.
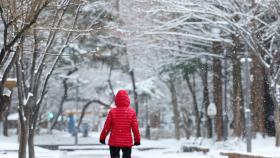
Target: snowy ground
[[170, 148]]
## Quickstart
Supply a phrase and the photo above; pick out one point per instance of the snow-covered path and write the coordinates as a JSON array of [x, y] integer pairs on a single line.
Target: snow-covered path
[[85, 156], [107, 156], [163, 148], [137, 154]]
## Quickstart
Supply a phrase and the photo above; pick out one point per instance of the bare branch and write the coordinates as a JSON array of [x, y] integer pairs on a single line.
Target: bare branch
[[70, 30], [86, 106], [7, 46], [64, 97], [110, 83]]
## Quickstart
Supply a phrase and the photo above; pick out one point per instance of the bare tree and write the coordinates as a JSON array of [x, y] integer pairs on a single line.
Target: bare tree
[[217, 88], [197, 24], [237, 103], [64, 97], [192, 87], [176, 113], [45, 56], [170, 82], [17, 18], [206, 100]]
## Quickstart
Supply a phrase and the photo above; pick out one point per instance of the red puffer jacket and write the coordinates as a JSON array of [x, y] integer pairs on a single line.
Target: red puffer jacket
[[121, 121]]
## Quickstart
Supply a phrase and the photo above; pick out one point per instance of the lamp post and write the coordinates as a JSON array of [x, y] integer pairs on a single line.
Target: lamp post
[[211, 112], [248, 124]]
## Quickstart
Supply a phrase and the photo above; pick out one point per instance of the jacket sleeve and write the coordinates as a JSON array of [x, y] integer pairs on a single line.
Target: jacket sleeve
[[135, 129], [107, 127]]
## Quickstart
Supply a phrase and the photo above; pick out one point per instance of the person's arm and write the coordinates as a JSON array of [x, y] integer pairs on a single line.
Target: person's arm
[[135, 130], [106, 129]]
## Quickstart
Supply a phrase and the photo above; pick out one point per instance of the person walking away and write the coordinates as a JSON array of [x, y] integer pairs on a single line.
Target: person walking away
[[120, 122]]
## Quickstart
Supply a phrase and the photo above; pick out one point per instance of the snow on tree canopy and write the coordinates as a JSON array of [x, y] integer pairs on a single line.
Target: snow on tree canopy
[[147, 87]]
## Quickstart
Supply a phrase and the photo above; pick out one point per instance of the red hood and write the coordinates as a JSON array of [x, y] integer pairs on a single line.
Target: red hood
[[122, 99]]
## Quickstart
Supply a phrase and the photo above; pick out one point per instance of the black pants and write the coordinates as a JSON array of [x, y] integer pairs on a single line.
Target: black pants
[[115, 152]]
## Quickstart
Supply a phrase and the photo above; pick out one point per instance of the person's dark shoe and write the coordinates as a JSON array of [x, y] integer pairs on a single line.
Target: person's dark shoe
[[102, 141], [137, 143]]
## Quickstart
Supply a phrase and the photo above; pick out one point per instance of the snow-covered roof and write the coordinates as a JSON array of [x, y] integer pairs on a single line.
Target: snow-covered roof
[[7, 92]]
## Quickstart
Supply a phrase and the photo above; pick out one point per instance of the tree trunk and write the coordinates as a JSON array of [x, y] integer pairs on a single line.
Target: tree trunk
[[3, 113], [1, 102], [134, 91], [206, 101], [23, 123], [238, 122], [273, 94], [1, 122], [175, 109], [110, 83], [277, 125], [6, 114], [5, 122], [32, 127], [22, 137], [217, 90], [257, 92], [186, 123], [82, 115], [195, 106], [31, 143]]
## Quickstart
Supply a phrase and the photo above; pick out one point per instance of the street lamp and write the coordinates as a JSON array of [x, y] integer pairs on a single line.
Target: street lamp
[[211, 112], [248, 125]]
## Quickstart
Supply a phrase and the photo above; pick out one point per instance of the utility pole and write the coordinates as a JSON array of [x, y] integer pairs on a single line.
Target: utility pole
[[225, 110], [247, 110]]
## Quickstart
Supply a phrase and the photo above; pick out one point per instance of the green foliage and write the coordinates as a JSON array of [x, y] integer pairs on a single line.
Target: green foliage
[[187, 68]]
